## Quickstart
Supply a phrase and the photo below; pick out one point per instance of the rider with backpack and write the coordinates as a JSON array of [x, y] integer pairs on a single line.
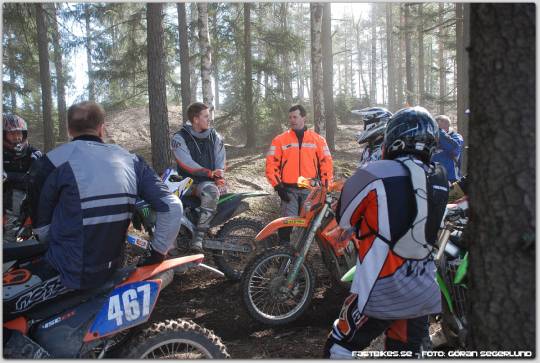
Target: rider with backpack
[[395, 207]]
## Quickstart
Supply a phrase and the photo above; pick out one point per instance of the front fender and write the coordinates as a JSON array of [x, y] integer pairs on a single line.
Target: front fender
[[279, 223]]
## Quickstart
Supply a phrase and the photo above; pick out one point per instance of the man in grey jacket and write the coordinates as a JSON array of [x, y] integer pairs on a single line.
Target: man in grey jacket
[[200, 155]]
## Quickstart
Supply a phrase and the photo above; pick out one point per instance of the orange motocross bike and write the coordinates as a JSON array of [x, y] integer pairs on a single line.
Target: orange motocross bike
[[278, 285]]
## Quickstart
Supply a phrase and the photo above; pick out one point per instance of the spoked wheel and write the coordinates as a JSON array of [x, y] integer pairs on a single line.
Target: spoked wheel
[[175, 339], [241, 232], [265, 292]]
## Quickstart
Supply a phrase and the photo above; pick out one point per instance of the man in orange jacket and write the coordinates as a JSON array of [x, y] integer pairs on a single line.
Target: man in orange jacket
[[294, 153]]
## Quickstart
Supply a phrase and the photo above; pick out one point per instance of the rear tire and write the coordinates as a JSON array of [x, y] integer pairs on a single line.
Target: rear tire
[[262, 278], [176, 339], [244, 230]]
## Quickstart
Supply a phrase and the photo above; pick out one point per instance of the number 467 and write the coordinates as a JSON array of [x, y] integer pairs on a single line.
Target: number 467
[[130, 302]]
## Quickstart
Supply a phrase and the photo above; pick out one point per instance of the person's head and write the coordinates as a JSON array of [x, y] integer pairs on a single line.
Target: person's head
[[444, 122], [86, 118], [411, 131], [297, 117], [199, 116], [15, 133]]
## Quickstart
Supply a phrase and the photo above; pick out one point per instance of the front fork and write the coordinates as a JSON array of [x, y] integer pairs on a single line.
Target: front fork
[[305, 245]]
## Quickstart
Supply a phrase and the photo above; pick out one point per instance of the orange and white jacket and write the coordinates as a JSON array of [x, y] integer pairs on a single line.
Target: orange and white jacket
[[286, 159]]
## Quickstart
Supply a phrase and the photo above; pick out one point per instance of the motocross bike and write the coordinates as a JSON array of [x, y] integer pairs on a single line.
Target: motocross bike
[[278, 285], [232, 246], [451, 259], [104, 322]]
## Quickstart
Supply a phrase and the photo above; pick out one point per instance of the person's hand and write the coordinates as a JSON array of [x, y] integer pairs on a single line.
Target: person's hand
[[220, 182], [218, 173], [282, 192]]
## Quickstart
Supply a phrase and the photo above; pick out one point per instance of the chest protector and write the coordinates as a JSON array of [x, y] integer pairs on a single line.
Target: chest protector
[[202, 152], [431, 196]]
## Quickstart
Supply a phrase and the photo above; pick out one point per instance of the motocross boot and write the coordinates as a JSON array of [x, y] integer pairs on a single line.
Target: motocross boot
[[205, 216]]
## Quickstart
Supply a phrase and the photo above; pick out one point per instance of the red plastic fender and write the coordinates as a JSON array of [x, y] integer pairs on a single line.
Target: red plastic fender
[[279, 223]]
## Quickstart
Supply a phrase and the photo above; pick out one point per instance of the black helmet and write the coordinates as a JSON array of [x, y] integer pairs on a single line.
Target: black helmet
[[411, 131], [375, 119], [15, 123]]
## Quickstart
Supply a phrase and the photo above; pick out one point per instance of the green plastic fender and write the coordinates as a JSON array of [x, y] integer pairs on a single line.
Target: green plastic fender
[[462, 269], [445, 292], [349, 275]]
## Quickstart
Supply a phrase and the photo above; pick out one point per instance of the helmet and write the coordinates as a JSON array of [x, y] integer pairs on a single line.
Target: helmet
[[411, 131], [374, 119], [15, 123]]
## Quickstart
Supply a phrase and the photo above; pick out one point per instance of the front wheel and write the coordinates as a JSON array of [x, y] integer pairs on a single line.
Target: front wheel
[[175, 339], [240, 231], [265, 294]]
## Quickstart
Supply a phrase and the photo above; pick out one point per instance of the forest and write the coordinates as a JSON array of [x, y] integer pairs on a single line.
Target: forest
[[146, 62]]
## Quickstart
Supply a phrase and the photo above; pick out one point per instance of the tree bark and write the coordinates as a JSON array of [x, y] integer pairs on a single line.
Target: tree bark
[[195, 58], [248, 82], [91, 81], [328, 76], [185, 83], [390, 59], [373, 64], [501, 230], [206, 55], [421, 70], [442, 66], [287, 88], [462, 43], [316, 64], [408, 62], [400, 57], [60, 83], [157, 92], [12, 78], [45, 78]]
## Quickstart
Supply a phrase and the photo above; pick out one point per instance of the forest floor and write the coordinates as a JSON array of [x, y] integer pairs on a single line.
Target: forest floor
[[215, 302]]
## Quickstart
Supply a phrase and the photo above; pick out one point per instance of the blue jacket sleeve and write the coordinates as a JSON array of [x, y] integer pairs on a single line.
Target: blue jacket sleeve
[[449, 145]]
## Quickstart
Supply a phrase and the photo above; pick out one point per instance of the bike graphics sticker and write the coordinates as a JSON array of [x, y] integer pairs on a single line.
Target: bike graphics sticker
[[127, 306], [298, 222]]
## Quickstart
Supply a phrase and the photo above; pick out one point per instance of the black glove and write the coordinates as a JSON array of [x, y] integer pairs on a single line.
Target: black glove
[[282, 192], [153, 258]]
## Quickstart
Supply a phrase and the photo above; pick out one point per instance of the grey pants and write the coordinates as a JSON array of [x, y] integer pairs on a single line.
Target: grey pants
[[291, 208], [208, 192]]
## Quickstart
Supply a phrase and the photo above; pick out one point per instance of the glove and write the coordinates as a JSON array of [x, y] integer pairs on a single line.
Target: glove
[[153, 258], [218, 173], [283, 195], [220, 182]]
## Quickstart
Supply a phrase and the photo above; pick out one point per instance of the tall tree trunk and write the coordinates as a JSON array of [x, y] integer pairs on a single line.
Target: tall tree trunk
[[421, 71], [462, 43], [287, 89], [185, 83], [501, 232], [382, 72], [328, 75], [301, 85], [316, 64], [91, 81], [373, 64], [157, 92], [60, 83], [248, 82], [400, 77], [408, 61], [206, 55], [12, 78], [442, 67], [390, 59], [45, 78], [195, 59]]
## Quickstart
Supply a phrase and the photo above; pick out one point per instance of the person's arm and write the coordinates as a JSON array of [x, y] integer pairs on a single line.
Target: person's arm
[[448, 145], [37, 175], [325, 161], [273, 163], [219, 152], [42, 212], [167, 206], [184, 159]]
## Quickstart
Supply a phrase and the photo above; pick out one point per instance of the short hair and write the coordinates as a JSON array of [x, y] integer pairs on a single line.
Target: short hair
[[85, 116], [299, 108], [444, 118], [194, 109]]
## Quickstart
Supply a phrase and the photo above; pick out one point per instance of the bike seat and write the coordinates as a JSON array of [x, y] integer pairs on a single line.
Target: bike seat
[[74, 298], [25, 249]]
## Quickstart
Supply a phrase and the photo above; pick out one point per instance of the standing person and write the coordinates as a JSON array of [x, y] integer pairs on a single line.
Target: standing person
[[200, 154], [448, 152], [82, 197], [395, 207], [18, 158], [294, 153]]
